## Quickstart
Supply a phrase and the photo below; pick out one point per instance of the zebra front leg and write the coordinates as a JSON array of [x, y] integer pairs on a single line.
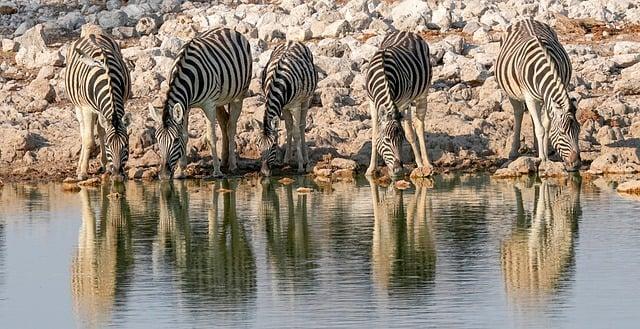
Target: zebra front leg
[[418, 123], [223, 122], [534, 110], [297, 131], [210, 113], [518, 112], [89, 120], [374, 137], [103, 151], [410, 134], [288, 123], [80, 118], [235, 109], [303, 128]]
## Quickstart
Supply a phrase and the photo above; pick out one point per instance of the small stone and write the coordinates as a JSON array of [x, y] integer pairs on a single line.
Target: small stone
[[421, 172], [91, 182], [304, 190], [551, 169], [135, 173], [340, 163], [286, 181], [630, 187], [402, 184], [150, 174], [146, 26], [111, 19], [9, 45]]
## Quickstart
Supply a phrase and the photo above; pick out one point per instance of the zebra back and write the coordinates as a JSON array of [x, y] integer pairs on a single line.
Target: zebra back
[[399, 72], [289, 76], [97, 76], [214, 66], [532, 58]]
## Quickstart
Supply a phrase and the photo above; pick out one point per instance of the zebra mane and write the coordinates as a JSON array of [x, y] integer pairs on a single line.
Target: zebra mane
[[173, 75], [385, 116], [552, 65], [107, 48]]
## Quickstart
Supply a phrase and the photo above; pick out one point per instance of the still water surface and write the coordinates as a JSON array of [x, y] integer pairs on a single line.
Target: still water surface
[[463, 251]]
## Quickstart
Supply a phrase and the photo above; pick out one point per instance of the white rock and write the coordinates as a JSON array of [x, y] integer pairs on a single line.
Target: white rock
[[337, 29], [626, 47], [442, 17], [298, 33], [409, 14], [33, 52]]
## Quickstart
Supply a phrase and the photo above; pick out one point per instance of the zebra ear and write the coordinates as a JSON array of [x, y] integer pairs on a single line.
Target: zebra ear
[[178, 113], [153, 113], [88, 60]]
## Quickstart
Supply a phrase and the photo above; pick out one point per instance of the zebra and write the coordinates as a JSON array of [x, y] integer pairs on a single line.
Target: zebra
[[210, 71], [399, 74], [534, 70], [98, 84], [288, 82]]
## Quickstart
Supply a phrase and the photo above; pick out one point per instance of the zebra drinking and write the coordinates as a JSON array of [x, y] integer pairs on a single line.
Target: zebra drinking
[[98, 84], [212, 70], [399, 74], [534, 71], [288, 82]]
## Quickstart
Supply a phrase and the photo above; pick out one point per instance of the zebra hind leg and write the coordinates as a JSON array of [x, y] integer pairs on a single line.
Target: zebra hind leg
[[418, 123], [210, 113], [223, 122], [518, 112], [410, 134], [303, 127], [235, 109], [288, 145], [298, 132]]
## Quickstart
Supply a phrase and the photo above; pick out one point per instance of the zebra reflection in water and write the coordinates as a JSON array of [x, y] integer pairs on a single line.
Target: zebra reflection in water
[[403, 254], [103, 261], [539, 256], [213, 258], [290, 248]]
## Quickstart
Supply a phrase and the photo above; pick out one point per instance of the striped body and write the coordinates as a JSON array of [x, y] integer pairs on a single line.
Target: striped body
[[534, 71], [288, 82], [98, 84], [212, 70], [399, 74]]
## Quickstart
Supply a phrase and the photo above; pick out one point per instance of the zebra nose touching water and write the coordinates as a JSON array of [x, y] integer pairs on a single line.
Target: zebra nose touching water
[[98, 84], [212, 71], [534, 70], [399, 74], [288, 83]]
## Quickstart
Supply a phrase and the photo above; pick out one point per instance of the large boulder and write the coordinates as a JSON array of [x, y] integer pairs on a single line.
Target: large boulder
[[629, 82], [622, 157], [409, 14], [33, 52]]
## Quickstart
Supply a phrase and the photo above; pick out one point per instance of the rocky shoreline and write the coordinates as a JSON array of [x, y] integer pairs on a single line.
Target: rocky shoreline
[[469, 121]]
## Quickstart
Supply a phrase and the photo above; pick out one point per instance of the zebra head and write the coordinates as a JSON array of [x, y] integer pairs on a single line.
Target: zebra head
[[389, 143], [116, 144], [171, 144], [268, 141], [268, 152], [564, 133]]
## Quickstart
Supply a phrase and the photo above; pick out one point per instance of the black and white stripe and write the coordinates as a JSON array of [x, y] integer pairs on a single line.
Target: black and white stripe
[[212, 70], [288, 82], [98, 84], [534, 69], [399, 74]]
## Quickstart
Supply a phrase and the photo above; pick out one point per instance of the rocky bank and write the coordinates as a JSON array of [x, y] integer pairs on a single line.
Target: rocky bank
[[469, 119]]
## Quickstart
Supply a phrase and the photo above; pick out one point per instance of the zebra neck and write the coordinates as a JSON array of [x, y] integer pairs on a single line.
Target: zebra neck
[[272, 112]]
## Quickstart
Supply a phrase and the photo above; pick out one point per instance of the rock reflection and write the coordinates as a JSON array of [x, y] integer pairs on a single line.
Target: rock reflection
[[103, 259], [213, 258], [290, 249], [538, 258], [403, 254]]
